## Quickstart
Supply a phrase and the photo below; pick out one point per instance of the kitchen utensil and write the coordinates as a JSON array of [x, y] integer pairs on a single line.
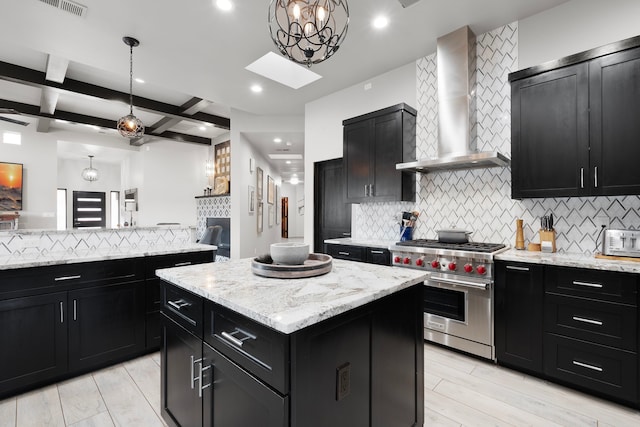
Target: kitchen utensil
[[550, 222], [519, 234], [453, 236]]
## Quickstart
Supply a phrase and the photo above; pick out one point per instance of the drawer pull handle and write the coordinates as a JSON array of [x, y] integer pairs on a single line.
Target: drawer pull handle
[[201, 377], [179, 304], [182, 264], [61, 312], [585, 365], [590, 285], [344, 253], [584, 320], [346, 234], [192, 368], [58, 279], [377, 252], [514, 267], [231, 336]]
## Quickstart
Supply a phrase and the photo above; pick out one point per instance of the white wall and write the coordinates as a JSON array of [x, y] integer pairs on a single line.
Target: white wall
[[323, 121], [245, 240], [70, 178], [38, 155], [574, 27]]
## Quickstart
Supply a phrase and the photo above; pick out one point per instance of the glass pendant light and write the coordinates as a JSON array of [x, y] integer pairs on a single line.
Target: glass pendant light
[[130, 126], [90, 174]]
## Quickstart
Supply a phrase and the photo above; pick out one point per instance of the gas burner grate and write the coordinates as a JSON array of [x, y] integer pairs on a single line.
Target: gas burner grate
[[469, 246]]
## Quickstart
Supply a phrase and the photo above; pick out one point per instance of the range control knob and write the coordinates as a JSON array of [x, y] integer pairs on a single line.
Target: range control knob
[[435, 263], [468, 268], [396, 259], [481, 269], [420, 262], [407, 260], [452, 266]]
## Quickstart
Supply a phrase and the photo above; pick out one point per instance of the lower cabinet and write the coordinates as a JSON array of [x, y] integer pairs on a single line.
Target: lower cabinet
[[361, 368], [518, 326], [371, 255], [33, 340], [575, 326]]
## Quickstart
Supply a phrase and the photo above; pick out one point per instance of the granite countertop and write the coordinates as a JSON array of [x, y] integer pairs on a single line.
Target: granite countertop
[[64, 257], [288, 305], [381, 244], [37, 231], [569, 260]]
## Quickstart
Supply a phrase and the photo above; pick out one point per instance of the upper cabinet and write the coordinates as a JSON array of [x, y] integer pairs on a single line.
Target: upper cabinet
[[373, 144], [574, 125]]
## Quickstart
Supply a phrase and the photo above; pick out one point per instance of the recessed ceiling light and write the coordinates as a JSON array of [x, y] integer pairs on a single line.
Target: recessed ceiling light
[[285, 156], [256, 88], [380, 22], [277, 140], [139, 80], [294, 180], [208, 124], [203, 128], [224, 4], [288, 162], [289, 144]]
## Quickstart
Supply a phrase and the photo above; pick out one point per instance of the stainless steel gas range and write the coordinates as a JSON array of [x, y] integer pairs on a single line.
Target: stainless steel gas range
[[458, 296]]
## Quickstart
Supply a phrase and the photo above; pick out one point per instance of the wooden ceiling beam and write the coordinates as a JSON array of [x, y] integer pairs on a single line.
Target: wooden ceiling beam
[[35, 78]]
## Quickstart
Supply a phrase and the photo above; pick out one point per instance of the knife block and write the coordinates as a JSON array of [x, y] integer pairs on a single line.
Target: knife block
[[547, 240]]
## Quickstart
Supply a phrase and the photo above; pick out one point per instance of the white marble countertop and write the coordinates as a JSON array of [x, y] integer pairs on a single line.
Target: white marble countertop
[[381, 244], [37, 231], [569, 260], [64, 257], [288, 305]]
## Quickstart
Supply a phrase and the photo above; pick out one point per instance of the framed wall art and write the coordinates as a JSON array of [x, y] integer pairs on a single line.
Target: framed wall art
[[252, 199], [270, 190], [259, 217], [259, 176], [271, 215]]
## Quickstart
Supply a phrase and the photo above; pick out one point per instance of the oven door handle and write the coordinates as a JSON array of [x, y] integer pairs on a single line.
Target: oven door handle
[[459, 282]]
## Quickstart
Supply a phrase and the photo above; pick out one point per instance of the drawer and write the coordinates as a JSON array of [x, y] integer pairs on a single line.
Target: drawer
[[596, 284], [156, 262], [600, 369], [600, 322], [350, 253], [378, 256], [258, 349], [183, 307]]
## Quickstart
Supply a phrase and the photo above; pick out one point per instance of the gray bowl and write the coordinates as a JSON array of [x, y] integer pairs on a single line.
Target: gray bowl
[[289, 253]]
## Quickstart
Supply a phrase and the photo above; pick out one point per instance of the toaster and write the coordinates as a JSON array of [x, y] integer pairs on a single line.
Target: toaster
[[621, 243]]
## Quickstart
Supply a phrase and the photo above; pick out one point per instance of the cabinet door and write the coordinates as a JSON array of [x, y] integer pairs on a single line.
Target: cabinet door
[[519, 294], [106, 323], [332, 212], [33, 340], [378, 256], [387, 151], [238, 398], [348, 252], [550, 134], [615, 128], [181, 353], [358, 160]]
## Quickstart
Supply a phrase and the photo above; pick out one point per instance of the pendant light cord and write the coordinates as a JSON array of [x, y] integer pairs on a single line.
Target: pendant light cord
[[131, 79]]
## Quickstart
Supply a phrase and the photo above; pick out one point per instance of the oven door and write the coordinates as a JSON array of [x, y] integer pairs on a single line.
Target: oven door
[[460, 307]]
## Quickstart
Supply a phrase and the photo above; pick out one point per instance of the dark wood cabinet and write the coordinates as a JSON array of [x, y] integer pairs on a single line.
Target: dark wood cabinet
[[33, 341], [372, 145], [371, 255], [574, 125], [360, 368], [105, 323], [332, 216], [378, 256], [519, 295]]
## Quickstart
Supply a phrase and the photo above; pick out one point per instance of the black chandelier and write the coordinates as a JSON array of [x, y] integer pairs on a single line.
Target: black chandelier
[[130, 126], [308, 31]]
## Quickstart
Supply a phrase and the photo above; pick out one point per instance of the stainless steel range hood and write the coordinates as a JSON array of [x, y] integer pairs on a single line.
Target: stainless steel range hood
[[456, 61]]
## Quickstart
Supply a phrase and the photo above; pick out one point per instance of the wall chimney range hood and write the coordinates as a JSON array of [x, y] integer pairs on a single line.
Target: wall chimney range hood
[[456, 64]]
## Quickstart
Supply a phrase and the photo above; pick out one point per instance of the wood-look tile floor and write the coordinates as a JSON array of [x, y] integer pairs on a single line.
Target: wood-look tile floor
[[459, 391]]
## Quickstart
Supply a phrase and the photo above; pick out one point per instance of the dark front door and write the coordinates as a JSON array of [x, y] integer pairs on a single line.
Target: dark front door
[[89, 209]]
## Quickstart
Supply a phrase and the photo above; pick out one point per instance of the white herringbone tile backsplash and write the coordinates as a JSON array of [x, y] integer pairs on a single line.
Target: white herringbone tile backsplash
[[211, 207], [480, 199]]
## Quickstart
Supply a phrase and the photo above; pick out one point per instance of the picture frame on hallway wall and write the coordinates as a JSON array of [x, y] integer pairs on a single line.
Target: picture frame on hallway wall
[[259, 217], [252, 199], [271, 215], [259, 185], [270, 190]]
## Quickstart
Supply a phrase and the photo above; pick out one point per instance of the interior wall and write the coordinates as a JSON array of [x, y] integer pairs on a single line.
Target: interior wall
[[245, 239], [323, 121], [39, 174], [295, 193], [70, 178], [574, 27]]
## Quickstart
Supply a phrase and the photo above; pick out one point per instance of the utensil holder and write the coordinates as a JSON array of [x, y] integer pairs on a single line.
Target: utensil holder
[[547, 241], [406, 233]]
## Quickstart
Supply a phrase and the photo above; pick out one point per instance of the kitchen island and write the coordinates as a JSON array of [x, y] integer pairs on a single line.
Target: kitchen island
[[341, 349]]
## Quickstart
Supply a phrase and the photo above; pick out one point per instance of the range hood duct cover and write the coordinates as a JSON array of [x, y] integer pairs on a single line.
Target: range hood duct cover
[[456, 62]]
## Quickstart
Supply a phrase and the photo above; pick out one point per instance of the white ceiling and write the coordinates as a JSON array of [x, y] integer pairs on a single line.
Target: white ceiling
[[192, 49]]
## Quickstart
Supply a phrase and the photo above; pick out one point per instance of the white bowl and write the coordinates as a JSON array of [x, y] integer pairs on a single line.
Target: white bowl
[[289, 253]]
